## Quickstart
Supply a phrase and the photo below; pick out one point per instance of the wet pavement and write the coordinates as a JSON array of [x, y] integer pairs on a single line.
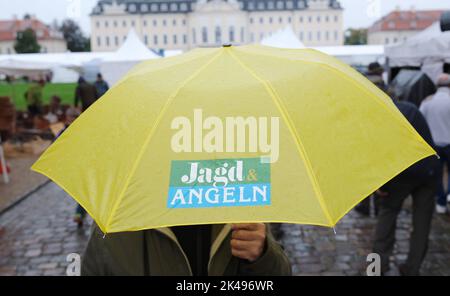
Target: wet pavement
[[39, 234]]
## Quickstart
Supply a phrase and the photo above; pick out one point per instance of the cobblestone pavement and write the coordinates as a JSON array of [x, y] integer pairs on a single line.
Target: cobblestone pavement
[[39, 234], [23, 180]]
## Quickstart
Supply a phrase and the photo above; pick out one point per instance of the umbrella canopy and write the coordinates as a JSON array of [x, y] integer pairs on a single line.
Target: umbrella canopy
[[233, 135]]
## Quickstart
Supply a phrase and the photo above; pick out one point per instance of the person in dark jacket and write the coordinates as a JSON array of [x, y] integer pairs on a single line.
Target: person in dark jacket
[[418, 181], [101, 85], [85, 93], [213, 250]]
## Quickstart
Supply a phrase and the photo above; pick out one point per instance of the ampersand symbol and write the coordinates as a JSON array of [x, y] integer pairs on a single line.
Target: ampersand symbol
[[252, 175]]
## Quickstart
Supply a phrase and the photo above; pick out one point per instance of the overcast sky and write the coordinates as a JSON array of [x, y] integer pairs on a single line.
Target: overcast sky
[[358, 13]]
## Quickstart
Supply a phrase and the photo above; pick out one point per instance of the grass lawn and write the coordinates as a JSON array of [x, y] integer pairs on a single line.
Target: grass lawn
[[66, 91]]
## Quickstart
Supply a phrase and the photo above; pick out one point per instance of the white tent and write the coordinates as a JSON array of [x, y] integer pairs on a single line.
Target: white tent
[[429, 49], [132, 52], [355, 55], [284, 38], [19, 67], [65, 67]]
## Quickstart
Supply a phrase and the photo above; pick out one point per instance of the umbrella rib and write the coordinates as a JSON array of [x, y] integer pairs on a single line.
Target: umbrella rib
[[152, 131], [300, 147]]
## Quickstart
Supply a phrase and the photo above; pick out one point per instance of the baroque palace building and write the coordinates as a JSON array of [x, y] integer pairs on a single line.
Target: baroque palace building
[[185, 24]]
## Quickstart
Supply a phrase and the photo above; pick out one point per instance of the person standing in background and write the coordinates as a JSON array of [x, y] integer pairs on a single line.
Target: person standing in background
[[101, 85], [34, 97], [85, 93], [436, 111]]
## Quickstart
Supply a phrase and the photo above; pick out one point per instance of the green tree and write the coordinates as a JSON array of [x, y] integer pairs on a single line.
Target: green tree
[[76, 41], [26, 42], [356, 37]]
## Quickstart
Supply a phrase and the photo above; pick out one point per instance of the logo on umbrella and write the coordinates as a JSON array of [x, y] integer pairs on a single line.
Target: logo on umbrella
[[219, 183]]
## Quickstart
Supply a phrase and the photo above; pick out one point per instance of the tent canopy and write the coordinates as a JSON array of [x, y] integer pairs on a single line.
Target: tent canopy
[[429, 46], [284, 38], [133, 49], [18, 67]]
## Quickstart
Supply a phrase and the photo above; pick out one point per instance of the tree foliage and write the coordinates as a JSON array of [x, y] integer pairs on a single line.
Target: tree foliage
[[76, 41], [356, 37], [26, 42]]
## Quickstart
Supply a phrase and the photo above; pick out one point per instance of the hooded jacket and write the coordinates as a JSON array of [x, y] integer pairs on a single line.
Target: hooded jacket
[[157, 252]]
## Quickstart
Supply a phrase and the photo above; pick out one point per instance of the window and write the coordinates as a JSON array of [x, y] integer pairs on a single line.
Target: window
[[290, 5], [173, 7], [318, 19], [310, 36], [183, 7], [252, 37], [144, 23], [205, 35], [155, 23], [107, 41], [251, 6], [154, 7], [174, 22], [302, 36], [133, 23], [270, 5], [116, 41], [336, 35], [231, 34], [106, 24], [132, 8], [242, 34], [261, 20], [164, 7], [144, 7], [184, 38], [319, 36], [99, 41], [280, 20], [184, 22], [251, 20], [97, 24], [218, 34], [327, 19], [175, 39], [289, 20], [260, 5], [155, 39], [386, 41], [327, 35], [165, 39], [280, 5], [310, 19], [270, 20], [124, 24], [301, 19], [164, 23], [336, 18], [146, 39], [115, 24], [194, 36]]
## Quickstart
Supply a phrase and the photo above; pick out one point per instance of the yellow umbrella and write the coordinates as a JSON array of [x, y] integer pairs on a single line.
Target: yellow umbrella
[[233, 134]]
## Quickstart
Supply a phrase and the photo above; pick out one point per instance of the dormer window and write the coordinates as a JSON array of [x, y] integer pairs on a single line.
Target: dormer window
[[132, 8], [173, 7], [154, 7], [144, 7], [164, 7]]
